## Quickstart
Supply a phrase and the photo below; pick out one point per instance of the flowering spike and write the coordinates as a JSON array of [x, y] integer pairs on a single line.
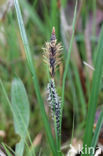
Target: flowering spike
[[54, 103], [52, 53], [52, 57]]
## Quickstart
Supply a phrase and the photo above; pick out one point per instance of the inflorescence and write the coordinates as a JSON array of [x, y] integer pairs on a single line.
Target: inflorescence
[[52, 53], [52, 57], [54, 103]]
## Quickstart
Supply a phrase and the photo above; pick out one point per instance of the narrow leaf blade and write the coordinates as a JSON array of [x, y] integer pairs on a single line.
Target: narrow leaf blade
[[94, 92], [97, 131]]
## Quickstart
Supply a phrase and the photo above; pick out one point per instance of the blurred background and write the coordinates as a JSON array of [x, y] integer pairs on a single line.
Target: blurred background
[[39, 17]]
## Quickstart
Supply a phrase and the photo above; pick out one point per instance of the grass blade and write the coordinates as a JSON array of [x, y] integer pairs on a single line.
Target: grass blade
[[20, 104], [80, 90], [74, 96], [94, 92], [7, 151], [67, 61], [68, 57], [97, 130], [35, 81], [54, 14], [34, 16]]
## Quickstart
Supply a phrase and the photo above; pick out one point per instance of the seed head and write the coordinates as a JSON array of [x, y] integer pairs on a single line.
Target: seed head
[[54, 103]]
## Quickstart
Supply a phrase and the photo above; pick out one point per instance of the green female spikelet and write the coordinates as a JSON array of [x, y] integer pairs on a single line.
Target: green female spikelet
[[54, 103], [52, 57]]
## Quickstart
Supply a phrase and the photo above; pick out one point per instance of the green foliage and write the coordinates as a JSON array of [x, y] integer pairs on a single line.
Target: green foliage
[[33, 73], [68, 56], [97, 130], [34, 16], [54, 14], [80, 90], [39, 17], [67, 60], [94, 92], [21, 113]]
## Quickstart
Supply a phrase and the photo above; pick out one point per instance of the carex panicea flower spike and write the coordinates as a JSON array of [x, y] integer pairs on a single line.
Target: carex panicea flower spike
[[54, 103], [52, 57]]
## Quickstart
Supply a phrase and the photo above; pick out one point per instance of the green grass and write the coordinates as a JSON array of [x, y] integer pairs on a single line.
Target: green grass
[[67, 62], [23, 58], [21, 113], [97, 130], [34, 77], [97, 75], [80, 90]]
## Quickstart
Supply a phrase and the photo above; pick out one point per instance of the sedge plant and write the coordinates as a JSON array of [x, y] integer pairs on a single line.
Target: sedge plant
[[34, 77], [52, 57]]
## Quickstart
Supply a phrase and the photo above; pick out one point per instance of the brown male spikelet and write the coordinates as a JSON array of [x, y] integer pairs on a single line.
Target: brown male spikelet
[[52, 53]]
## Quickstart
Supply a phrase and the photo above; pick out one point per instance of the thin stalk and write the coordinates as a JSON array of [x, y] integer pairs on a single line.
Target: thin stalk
[[80, 90], [97, 131], [66, 67]]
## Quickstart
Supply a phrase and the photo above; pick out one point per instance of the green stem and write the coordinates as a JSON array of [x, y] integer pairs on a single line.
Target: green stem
[[66, 67]]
